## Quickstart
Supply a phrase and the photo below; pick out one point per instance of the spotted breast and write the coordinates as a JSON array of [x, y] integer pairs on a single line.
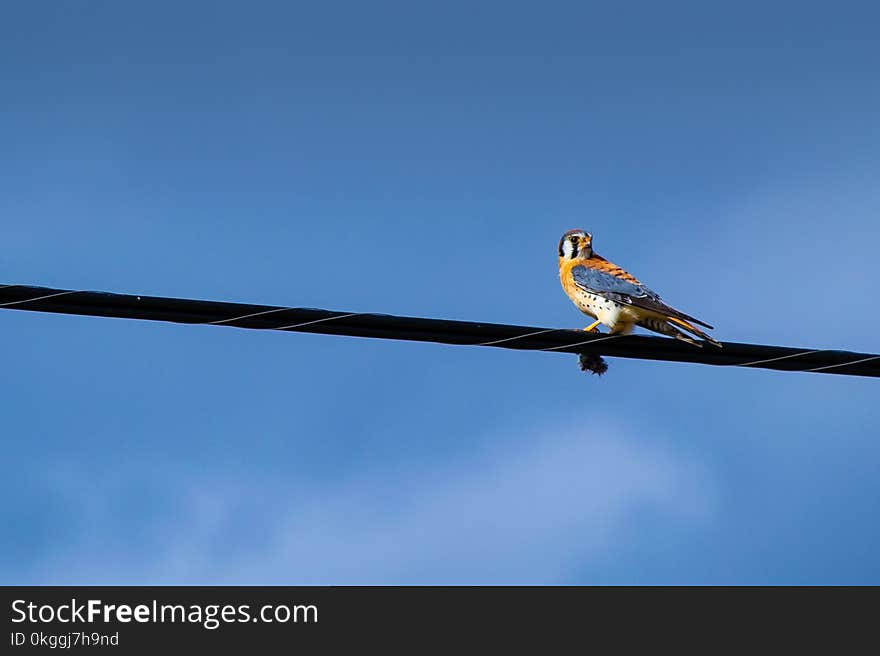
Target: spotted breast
[[617, 317]]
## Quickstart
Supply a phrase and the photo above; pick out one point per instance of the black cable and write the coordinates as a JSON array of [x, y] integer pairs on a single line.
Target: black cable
[[308, 320]]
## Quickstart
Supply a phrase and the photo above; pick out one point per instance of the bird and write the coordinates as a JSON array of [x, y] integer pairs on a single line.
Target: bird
[[615, 298]]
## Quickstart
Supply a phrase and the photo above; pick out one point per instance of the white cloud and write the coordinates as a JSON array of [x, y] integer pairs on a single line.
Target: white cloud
[[535, 511]]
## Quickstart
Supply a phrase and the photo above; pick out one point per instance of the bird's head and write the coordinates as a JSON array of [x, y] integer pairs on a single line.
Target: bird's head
[[576, 245]]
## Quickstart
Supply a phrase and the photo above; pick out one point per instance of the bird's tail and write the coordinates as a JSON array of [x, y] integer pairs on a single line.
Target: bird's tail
[[664, 326], [687, 325]]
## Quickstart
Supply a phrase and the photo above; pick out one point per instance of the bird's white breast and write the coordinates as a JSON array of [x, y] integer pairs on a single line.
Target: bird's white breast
[[608, 312]]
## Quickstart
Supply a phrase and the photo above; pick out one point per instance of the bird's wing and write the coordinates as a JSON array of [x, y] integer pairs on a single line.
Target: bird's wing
[[624, 292]]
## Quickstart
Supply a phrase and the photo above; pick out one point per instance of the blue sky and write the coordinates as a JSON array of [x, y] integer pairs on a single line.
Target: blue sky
[[424, 161]]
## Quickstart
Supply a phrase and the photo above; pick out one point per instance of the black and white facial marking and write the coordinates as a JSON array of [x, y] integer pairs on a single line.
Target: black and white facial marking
[[575, 243]]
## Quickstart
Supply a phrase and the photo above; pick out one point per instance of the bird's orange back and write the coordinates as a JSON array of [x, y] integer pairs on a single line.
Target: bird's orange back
[[598, 263]]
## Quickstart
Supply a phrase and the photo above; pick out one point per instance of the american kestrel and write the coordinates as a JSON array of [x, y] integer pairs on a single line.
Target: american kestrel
[[615, 298]]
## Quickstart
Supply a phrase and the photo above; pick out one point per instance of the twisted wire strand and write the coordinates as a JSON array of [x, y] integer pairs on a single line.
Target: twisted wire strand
[[443, 331]]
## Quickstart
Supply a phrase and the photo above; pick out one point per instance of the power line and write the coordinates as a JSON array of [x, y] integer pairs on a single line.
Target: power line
[[462, 333]]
